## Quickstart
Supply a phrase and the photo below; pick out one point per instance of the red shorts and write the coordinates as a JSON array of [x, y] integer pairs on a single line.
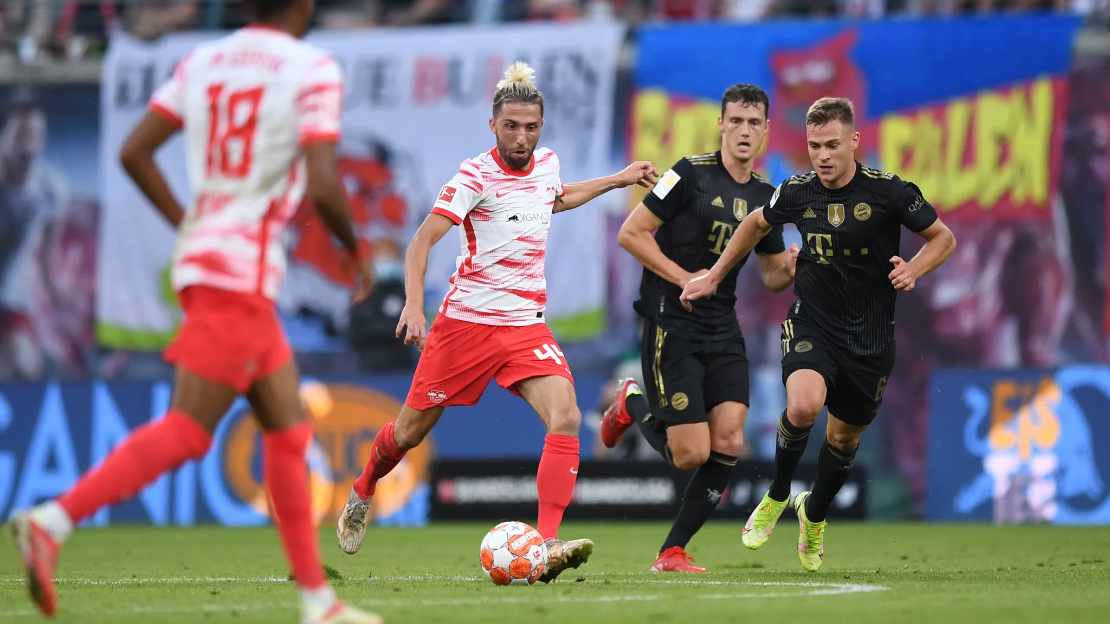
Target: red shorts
[[228, 337], [460, 358]]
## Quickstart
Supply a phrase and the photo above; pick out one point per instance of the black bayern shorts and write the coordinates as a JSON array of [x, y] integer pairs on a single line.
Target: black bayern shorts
[[684, 379], [855, 383]]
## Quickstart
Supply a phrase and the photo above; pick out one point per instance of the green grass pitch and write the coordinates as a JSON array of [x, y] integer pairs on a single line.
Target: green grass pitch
[[872, 573]]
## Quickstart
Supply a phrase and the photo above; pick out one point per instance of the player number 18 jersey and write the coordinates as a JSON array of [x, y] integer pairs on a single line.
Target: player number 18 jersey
[[247, 102]]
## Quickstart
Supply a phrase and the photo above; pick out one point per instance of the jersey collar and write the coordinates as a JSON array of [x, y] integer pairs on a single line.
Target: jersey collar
[[728, 174], [520, 173], [853, 183]]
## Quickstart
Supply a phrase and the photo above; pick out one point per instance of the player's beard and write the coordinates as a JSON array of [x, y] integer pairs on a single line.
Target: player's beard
[[514, 161]]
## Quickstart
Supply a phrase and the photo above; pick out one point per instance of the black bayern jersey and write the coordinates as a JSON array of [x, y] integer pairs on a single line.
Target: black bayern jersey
[[701, 205], [848, 237]]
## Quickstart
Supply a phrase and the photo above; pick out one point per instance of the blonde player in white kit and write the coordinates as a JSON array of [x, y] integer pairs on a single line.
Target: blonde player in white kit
[[260, 114], [491, 324]]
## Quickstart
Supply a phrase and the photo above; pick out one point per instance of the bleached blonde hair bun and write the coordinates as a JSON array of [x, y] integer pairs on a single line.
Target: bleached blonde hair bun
[[518, 85], [519, 75]]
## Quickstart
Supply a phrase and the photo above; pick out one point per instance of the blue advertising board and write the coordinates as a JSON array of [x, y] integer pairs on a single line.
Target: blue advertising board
[[1020, 446], [50, 433]]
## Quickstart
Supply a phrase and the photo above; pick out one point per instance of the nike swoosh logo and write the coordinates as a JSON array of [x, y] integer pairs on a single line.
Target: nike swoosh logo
[[573, 471], [500, 194]]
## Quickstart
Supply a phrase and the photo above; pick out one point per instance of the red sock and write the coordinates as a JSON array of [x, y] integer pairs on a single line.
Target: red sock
[[384, 455], [555, 481], [286, 473], [149, 451]]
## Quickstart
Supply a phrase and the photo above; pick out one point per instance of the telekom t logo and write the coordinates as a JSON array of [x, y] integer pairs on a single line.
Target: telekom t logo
[[549, 352]]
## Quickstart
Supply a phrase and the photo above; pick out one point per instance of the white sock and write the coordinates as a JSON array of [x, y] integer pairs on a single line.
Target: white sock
[[317, 600], [54, 520]]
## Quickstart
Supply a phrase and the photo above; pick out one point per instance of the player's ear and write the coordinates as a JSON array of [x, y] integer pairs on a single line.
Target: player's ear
[[492, 128], [855, 139]]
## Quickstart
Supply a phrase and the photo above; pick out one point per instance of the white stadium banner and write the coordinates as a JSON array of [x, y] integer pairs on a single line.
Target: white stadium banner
[[417, 103]]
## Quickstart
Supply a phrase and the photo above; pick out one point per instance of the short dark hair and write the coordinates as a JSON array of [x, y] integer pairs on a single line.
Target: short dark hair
[[265, 9], [746, 94], [828, 109]]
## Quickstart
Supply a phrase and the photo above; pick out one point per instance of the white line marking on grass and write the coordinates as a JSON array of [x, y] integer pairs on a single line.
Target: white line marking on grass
[[795, 589], [153, 580]]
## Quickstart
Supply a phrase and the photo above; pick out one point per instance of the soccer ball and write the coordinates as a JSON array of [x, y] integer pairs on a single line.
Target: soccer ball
[[513, 553]]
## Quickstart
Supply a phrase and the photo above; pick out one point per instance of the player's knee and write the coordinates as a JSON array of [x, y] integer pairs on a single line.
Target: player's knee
[[687, 454], [844, 441], [727, 442], [565, 421], [802, 411], [689, 459]]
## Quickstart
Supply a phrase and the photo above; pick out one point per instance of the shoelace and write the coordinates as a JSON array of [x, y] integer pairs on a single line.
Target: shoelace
[[814, 532], [356, 521], [763, 514]]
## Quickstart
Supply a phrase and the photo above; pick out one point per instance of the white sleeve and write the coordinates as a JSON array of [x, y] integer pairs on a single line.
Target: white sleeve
[[169, 100], [558, 175], [459, 196], [320, 103]]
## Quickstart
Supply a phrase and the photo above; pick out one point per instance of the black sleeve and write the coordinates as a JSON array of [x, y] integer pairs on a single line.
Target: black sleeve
[[668, 197], [913, 210], [781, 210], [772, 243]]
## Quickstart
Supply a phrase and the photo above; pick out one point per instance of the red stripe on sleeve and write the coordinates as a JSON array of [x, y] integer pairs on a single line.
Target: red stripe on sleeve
[[164, 111], [318, 137], [447, 213]]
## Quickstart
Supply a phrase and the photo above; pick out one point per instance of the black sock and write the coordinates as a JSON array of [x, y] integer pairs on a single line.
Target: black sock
[[653, 430], [833, 468], [701, 498], [788, 452]]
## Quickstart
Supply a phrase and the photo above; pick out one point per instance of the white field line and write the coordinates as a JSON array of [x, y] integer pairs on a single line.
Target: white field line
[[755, 589]]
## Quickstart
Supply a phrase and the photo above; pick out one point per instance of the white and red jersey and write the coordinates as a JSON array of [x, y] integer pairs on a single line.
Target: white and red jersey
[[248, 103], [505, 216]]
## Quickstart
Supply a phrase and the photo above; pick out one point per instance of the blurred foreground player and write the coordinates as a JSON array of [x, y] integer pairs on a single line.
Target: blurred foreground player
[[260, 114]]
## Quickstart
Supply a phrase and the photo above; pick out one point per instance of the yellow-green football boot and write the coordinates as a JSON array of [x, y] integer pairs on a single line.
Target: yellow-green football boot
[[761, 523]]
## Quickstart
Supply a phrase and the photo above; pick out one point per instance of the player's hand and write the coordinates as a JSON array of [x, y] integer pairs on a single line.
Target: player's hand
[[699, 287], [641, 172], [412, 328], [364, 281], [902, 277], [791, 261], [686, 305]]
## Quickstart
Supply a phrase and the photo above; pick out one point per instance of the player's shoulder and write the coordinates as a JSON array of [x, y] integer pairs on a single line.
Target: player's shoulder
[[202, 54], [479, 166], [313, 62], [545, 156], [701, 160], [886, 183], [483, 162], [788, 192], [799, 184], [800, 179], [879, 178], [688, 166], [317, 56], [761, 183]]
